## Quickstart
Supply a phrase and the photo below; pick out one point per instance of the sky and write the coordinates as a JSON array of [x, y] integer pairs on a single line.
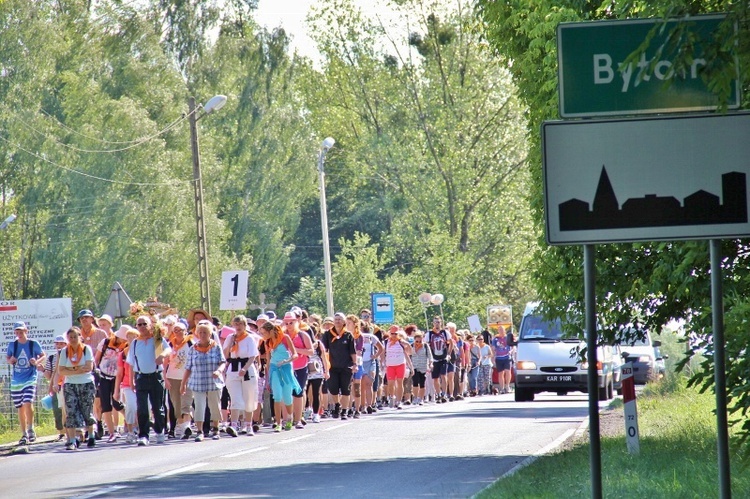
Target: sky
[[291, 15]]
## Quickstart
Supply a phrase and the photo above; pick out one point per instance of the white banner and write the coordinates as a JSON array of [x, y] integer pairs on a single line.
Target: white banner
[[45, 318]]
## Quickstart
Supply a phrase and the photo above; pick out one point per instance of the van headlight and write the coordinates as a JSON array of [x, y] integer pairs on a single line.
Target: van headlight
[[526, 365]]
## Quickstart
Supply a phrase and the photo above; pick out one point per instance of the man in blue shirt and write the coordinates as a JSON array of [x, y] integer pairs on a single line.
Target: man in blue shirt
[[24, 355]]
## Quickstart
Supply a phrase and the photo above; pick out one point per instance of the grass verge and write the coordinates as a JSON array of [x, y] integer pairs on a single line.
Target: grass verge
[[678, 457]]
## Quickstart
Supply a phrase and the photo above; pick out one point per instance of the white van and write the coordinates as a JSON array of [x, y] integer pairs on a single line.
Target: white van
[[643, 353], [548, 362]]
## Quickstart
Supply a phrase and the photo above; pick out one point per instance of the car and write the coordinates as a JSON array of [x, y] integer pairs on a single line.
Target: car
[[643, 353], [548, 361]]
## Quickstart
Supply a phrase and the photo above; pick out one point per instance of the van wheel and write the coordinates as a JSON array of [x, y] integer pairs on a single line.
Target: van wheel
[[524, 395]]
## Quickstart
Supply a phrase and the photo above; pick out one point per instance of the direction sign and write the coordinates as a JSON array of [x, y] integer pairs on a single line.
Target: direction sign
[[382, 308], [647, 179], [593, 83], [233, 290]]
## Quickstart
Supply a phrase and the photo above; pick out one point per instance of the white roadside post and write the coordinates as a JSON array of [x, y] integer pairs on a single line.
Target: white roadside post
[[631, 412]]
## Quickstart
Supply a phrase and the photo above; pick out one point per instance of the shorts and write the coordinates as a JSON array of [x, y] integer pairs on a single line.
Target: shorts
[[451, 367], [439, 368], [301, 376], [396, 372], [23, 396], [369, 369], [359, 374], [338, 381], [418, 379], [106, 390], [502, 364]]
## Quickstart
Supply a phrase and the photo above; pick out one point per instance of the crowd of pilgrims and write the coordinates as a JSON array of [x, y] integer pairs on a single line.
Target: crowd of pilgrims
[[195, 378]]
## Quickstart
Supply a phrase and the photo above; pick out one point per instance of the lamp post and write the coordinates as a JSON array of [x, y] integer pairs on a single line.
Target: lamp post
[[4, 225], [327, 144], [214, 104]]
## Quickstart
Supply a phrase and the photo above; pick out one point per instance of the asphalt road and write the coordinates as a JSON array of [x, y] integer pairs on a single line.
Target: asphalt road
[[446, 450]]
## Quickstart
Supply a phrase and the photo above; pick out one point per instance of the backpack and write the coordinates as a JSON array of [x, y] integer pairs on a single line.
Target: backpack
[[17, 345]]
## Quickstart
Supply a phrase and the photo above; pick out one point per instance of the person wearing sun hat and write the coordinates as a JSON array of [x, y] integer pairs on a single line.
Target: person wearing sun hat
[[194, 316], [124, 391]]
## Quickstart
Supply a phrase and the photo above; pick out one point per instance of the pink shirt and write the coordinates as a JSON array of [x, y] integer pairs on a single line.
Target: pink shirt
[[301, 360], [125, 382]]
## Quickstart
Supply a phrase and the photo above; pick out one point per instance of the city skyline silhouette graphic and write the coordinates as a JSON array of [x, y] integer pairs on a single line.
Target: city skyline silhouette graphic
[[699, 208]]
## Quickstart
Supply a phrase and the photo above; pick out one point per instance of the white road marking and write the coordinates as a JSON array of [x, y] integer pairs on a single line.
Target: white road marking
[[242, 453], [290, 440], [335, 427], [101, 492], [177, 471]]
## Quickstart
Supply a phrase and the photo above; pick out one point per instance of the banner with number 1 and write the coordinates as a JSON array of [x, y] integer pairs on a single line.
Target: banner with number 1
[[234, 290]]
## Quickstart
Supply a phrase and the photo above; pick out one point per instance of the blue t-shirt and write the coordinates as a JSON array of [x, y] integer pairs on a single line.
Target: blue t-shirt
[[24, 373]]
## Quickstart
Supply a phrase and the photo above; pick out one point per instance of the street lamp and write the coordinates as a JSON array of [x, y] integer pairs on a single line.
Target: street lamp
[[214, 104], [327, 144], [3, 226]]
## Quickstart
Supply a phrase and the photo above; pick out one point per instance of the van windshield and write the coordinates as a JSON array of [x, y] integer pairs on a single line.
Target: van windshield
[[536, 328]]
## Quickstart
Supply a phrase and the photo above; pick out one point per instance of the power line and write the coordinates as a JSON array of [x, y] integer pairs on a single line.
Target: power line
[[132, 144], [94, 177]]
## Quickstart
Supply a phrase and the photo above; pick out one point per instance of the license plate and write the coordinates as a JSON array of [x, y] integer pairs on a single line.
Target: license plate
[[559, 378]]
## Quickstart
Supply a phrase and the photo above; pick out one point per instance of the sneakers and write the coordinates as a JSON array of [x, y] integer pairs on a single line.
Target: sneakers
[[369, 409], [91, 443], [407, 402], [160, 438], [256, 427], [231, 431], [308, 413], [113, 438], [142, 441], [215, 434], [299, 425], [199, 436], [60, 437], [356, 415], [31, 434], [450, 399], [24, 440], [398, 406], [443, 400], [186, 434], [343, 415], [288, 425], [277, 428], [130, 438], [248, 430], [99, 430], [243, 429], [71, 445], [316, 418]]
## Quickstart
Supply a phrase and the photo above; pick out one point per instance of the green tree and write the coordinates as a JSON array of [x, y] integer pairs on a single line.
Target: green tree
[[432, 156], [647, 283]]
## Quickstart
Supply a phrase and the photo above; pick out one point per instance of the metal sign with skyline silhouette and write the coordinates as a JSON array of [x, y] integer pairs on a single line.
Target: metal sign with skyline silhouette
[[653, 179]]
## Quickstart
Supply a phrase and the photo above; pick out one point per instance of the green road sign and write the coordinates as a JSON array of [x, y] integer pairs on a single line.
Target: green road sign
[[595, 82]]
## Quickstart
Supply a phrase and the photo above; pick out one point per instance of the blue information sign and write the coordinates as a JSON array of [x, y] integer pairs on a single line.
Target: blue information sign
[[382, 308]]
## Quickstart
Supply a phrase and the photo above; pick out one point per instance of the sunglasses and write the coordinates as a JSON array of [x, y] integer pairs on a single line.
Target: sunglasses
[[139, 324], [364, 316]]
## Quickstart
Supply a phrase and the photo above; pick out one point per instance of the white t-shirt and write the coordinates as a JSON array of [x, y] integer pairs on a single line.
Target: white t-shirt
[[177, 360], [248, 347], [369, 346]]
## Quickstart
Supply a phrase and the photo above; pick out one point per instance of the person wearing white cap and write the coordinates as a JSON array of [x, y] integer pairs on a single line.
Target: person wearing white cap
[[55, 385], [24, 354]]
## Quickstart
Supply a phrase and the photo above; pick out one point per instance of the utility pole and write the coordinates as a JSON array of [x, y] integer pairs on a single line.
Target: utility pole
[[200, 223]]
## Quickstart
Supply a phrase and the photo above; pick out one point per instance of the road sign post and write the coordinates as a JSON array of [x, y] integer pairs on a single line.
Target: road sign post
[[382, 308], [632, 438]]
